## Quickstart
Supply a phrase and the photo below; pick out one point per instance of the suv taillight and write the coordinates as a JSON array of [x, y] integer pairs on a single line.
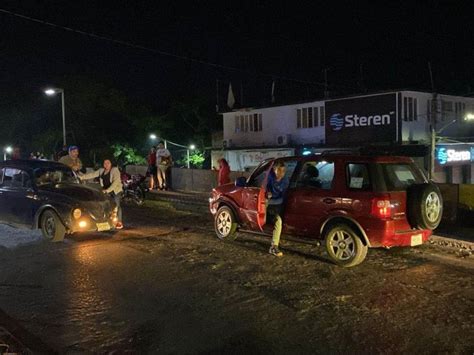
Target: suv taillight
[[381, 208]]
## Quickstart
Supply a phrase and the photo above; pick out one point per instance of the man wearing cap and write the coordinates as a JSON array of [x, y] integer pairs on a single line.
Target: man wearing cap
[[72, 159]]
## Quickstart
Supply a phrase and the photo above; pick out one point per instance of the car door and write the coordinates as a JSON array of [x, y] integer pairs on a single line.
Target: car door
[[254, 197], [312, 197], [18, 197]]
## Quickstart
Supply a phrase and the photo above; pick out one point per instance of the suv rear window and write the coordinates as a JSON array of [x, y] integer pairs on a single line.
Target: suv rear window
[[398, 177]]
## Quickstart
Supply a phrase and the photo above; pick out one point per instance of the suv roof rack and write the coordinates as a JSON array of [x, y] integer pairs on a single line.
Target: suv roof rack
[[341, 151]]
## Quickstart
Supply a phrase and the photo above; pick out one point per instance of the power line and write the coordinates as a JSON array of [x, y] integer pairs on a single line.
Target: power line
[[161, 52]]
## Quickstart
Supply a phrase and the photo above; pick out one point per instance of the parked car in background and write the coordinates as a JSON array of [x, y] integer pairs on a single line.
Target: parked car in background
[[47, 195], [351, 202]]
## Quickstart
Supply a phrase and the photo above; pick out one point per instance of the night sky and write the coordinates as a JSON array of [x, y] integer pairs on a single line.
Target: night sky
[[392, 43]]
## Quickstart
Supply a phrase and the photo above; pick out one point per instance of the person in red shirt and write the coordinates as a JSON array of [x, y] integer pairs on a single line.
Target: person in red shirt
[[152, 167], [224, 172]]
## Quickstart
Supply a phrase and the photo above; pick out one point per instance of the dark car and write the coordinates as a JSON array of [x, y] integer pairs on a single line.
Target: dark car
[[352, 202], [47, 195]]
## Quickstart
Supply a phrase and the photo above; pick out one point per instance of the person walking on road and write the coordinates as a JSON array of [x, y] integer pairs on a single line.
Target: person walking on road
[[72, 159], [163, 162], [111, 183], [224, 172], [152, 169], [277, 186]]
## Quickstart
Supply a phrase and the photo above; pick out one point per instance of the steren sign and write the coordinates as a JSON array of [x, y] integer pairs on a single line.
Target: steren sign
[[454, 154], [361, 120]]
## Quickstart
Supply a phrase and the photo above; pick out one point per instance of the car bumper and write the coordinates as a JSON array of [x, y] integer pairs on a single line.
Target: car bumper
[[386, 235], [87, 224]]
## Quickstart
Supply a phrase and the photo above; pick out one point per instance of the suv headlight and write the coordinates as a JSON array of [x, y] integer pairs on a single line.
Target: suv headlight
[[77, 213]]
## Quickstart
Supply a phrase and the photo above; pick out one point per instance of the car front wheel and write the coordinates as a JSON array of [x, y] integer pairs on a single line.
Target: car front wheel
[[225, 223], [51, 226], [344, 246]]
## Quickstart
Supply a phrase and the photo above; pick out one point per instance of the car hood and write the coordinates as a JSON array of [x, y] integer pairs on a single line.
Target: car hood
[[75, 191]]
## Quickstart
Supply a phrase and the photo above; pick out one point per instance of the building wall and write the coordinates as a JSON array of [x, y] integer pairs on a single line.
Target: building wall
[[415, 115], [276, 121]]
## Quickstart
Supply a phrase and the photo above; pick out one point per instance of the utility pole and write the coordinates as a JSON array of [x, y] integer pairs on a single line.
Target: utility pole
[[326, 92], [217, 95], [362, 87], [433, 121]]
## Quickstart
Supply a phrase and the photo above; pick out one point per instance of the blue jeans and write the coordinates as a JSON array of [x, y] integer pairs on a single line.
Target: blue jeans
[[118, 200]]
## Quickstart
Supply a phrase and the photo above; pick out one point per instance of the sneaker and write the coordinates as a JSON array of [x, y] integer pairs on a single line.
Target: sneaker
[[275, 251], [119, 225]]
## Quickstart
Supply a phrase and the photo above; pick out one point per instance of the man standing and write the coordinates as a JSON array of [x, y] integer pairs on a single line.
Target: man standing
[[276, 190], [163, 162], [111, 183], [72, 159]]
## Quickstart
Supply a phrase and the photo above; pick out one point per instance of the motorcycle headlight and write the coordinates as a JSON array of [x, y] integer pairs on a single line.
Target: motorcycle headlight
[[77, 213]]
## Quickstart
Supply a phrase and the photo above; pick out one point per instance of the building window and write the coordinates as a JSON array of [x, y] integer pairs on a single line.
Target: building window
[[309, 117], [410, 109], [316, 116], [248, 123], [237, 125]]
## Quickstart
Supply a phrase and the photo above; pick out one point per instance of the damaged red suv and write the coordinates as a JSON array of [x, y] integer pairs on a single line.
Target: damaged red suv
[[350, 202]]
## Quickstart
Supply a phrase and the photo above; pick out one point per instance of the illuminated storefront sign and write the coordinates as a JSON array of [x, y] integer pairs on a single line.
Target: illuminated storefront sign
[[456, 154]]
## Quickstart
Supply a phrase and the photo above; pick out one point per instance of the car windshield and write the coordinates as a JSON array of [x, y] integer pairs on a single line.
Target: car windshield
[[45, 176], [400, 176]]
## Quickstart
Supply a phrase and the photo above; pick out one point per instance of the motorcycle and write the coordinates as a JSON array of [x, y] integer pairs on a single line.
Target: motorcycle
[[134, 188]]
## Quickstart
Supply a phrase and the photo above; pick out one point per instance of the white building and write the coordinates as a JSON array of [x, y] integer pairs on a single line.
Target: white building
[[395, 118]]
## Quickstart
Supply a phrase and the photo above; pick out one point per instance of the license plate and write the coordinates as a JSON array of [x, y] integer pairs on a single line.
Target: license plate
[[416, 239], [103, 227]]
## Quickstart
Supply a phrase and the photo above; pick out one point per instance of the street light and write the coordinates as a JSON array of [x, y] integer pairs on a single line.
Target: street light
[[52, 92], [152, 136], [7, 150], [191, 147], [469, 117]]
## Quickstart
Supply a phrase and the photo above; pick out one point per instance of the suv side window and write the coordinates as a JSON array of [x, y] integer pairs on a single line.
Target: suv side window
[[358, 177], [316, 174]]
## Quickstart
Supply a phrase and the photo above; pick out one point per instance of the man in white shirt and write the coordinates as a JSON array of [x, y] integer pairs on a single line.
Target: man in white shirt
[[163, 162]]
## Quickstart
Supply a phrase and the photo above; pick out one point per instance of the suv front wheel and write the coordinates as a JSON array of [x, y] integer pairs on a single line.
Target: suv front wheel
[[225, 223], [344, 246]]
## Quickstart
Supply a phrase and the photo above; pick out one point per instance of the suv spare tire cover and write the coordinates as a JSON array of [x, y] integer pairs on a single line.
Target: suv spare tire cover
[[424, 206]]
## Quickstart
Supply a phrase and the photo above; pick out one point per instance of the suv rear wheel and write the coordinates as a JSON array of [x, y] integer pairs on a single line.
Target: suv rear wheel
[[225, 223], [51, 226], [424, 206], [344, 246]]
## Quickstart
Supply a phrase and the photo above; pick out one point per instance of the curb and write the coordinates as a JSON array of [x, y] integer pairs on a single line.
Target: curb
[[464, 247]]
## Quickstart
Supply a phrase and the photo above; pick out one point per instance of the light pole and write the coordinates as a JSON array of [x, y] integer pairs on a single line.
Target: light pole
[[191, 147], [7, 150], [52, 92]]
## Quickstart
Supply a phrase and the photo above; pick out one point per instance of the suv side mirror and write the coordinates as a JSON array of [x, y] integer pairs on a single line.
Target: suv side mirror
[[241, 181]]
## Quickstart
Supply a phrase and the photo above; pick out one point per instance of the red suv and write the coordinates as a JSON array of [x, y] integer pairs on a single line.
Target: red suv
[[352, 202]]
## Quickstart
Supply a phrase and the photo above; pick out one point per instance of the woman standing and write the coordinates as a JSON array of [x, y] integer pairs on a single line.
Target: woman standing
[[111, 183], [152, 169], [224, 172]]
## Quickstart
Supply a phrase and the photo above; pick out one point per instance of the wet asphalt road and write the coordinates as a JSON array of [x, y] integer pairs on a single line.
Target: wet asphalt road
[[166, 284]]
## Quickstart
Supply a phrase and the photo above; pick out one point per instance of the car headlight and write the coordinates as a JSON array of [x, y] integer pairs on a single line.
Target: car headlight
[[77, 213]]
